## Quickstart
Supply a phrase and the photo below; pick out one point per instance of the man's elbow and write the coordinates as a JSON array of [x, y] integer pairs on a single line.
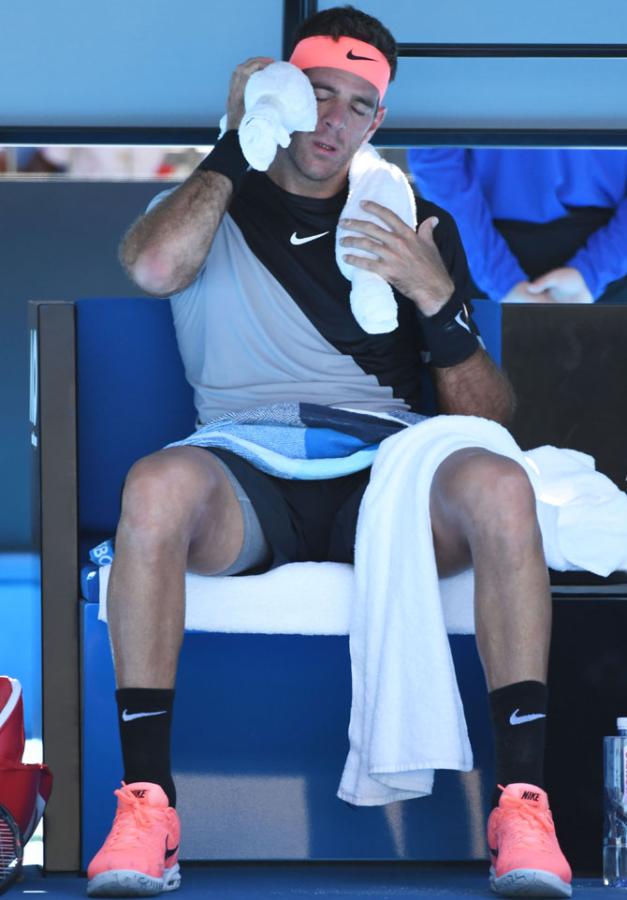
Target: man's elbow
[[150, 271]]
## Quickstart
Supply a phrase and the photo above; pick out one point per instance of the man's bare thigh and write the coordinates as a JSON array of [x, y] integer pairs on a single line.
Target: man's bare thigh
[[217, 527]]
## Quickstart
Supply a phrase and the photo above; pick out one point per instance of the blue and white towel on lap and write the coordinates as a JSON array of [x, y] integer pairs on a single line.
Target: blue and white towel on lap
[[302, 440]]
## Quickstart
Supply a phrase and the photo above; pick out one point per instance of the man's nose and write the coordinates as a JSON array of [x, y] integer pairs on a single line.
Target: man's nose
[[335, 114]]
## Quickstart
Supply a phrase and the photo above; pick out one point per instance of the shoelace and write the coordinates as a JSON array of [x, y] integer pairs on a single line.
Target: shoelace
[[141, 815], [521, 814]]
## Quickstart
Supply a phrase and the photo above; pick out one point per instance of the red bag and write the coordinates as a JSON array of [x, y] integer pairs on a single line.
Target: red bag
[[24, 787]]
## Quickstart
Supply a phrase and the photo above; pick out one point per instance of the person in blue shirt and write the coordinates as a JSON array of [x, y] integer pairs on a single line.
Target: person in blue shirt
[[538, 225]]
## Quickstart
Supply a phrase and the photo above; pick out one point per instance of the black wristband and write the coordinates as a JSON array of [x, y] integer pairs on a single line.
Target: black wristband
[[227, 159], [450, 334]]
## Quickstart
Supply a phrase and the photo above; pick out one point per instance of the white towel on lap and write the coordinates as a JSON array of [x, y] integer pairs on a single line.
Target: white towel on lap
[[407, 717], [582, 513]]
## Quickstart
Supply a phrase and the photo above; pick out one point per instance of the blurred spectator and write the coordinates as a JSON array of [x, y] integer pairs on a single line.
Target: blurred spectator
[[109, 162], [537, 225], [99, 162]]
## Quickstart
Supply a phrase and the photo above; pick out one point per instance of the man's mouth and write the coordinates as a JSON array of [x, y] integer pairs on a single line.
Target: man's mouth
[[326, 148]]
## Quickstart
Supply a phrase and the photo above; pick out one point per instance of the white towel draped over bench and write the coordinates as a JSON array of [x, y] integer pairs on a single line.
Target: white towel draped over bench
[[299, 598], [406, 716]]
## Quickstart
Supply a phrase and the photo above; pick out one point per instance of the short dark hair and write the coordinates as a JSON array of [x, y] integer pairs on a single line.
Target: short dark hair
[[350, 22]]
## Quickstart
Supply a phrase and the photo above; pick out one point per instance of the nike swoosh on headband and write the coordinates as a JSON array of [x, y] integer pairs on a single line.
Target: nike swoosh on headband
[[515, 719], [128, 717], [351, 55], [305, 240]]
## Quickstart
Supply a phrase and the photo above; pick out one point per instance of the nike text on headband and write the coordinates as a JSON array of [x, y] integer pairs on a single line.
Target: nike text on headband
[[344, 53]]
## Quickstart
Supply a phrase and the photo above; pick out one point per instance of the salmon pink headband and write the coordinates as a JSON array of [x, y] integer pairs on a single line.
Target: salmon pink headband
[[344, 53]]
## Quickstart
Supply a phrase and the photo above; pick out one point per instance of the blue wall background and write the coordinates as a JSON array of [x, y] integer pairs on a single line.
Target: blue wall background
[[151, 62], [145, 62]]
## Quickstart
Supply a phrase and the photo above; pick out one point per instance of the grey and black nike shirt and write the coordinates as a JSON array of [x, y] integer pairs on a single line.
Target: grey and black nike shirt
[[268, 317]]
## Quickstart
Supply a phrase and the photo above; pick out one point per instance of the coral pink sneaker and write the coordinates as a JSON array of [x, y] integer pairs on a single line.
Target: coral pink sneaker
[[139, 856], [526, 859]]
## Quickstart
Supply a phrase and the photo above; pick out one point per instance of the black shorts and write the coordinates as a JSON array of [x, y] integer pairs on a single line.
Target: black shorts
[[302, 521]]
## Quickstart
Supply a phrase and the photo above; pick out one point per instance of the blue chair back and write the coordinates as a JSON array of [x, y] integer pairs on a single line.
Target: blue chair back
[[132, 397]]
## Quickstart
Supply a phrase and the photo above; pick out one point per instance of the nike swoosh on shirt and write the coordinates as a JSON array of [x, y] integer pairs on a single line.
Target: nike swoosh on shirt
[[305, 240], [128, 717], [515, 719], [351, 55]]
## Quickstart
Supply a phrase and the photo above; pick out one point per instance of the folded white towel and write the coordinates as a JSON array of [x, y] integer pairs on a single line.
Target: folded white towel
[[277, 101], [372, 178], [298, 598]]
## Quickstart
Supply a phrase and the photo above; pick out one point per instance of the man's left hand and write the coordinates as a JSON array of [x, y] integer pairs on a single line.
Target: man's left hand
[[410, 261], [565, 285]]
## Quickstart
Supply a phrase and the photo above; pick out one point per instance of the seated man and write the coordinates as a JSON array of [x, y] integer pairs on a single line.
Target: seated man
[[261, 319]]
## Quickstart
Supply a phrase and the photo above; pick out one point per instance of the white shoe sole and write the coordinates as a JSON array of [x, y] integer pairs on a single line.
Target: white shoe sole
[[127, 883], [529, 883]]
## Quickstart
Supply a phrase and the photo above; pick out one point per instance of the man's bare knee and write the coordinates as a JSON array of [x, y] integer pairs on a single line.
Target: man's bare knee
[[502, 500], [168, 493], [479, 497]]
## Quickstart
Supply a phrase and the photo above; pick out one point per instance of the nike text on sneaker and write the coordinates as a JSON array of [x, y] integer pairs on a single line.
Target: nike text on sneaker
[[526, 859], [296, 241], [128, 717], [139, 858], [351, 55], [515, 719]]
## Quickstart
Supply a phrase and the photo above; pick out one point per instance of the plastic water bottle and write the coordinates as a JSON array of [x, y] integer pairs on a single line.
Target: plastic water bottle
[[615, 807]]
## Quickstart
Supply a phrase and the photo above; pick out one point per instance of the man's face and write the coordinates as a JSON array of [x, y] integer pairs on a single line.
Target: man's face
[[316, 163]]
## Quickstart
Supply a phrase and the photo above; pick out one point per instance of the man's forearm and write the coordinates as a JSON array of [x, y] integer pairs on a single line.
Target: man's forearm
[[166, 247], [475, 387]]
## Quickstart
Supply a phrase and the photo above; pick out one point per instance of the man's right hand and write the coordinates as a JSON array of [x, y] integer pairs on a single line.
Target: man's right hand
[[239, 79]]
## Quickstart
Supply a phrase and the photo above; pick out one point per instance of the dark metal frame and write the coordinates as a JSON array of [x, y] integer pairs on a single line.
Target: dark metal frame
[[55, 519], [514, 51], [384, 137]]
